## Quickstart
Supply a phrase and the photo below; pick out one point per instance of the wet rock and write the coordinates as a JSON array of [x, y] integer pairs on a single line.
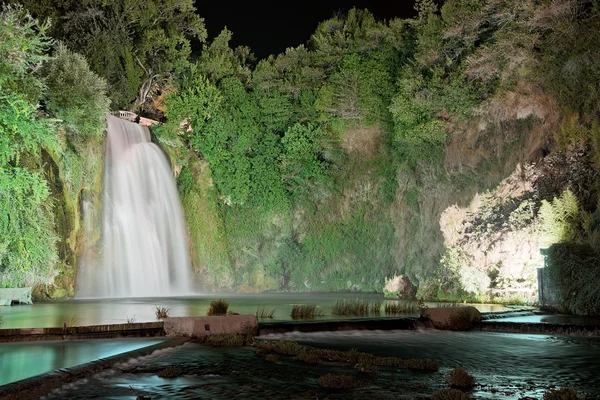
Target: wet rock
[[454, 318]]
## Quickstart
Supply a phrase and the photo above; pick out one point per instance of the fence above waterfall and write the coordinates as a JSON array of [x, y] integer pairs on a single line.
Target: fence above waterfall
[[133, 117]]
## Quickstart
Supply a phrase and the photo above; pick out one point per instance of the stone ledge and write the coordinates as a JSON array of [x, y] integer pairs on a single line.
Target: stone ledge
[[206, 326]]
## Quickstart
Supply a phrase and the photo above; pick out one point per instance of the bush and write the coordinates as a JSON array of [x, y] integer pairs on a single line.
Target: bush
[[561, 394], [460, 378], [76, 94], [218, 307], [450, 394]]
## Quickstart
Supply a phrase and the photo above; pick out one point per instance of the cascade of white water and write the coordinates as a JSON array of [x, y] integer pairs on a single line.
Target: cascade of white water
[[144, 243]]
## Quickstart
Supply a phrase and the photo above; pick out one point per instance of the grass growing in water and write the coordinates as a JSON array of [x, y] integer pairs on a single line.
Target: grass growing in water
[[460, 378], [263, 312], [218, 307], [161, 312], [366, 362], [302, 311], [398, 308], [354, 307]]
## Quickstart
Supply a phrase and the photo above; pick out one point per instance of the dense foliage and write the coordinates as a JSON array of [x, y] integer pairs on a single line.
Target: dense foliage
[[445, 149]]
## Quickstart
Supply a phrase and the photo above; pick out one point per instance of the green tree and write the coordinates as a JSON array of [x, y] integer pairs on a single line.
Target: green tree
[[76, 95], [27, 241], [133, 44]]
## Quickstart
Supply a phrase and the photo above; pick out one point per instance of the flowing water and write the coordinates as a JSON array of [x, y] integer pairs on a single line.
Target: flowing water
[[24, 360], [505, 366], [144, 242]]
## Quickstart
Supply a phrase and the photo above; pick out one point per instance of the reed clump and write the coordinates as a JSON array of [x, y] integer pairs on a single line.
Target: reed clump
[[161, 312], [305, 311], [263, 312], [355, 307], [218, 307], [400, 308]]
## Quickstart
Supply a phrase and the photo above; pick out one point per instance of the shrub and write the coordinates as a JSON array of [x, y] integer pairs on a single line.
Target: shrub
[[218, 307], [169, 372], [161, 312], [449, 394], [332, 381], [300, 311], [561, 394], [75, 93], [460, 378]]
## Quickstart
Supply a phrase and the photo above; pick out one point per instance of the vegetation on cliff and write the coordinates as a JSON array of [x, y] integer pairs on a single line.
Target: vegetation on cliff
[[441, 151]]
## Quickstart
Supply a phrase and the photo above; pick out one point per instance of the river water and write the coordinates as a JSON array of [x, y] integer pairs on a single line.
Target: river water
[[119, 311], [505, 366]]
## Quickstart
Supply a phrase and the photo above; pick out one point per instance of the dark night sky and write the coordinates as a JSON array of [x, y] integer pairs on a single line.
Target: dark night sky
[[271, 28]]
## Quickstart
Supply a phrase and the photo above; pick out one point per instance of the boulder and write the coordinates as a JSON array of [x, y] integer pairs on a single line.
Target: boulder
[[206, 326], [453, 318]]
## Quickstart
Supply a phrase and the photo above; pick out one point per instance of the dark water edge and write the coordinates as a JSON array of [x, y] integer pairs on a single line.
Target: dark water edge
[[505, 366]]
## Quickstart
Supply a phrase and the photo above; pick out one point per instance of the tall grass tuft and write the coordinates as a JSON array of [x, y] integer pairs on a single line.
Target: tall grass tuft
[[398, 308], [354, 307], [303, 311], [263, 312], [218, 307], [161, 312]]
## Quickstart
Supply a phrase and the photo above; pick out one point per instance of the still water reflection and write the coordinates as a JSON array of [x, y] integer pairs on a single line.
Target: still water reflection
[[119, 311], [23, 360]]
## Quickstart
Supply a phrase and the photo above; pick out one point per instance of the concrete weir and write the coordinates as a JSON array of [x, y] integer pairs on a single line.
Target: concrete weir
[[206, 326], [146, 329]]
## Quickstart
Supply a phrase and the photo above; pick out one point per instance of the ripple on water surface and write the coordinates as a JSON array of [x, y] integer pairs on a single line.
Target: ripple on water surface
[[506, 366]]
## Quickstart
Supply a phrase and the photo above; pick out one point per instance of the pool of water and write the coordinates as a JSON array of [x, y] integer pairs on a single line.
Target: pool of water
[[24, 360], [119, 311], [505, 366]]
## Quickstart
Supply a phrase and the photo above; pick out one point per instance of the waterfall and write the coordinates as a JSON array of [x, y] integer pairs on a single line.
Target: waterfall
[[144, 249]]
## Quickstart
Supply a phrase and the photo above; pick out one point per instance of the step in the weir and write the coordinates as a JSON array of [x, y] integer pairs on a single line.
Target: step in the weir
[[145, 329]]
